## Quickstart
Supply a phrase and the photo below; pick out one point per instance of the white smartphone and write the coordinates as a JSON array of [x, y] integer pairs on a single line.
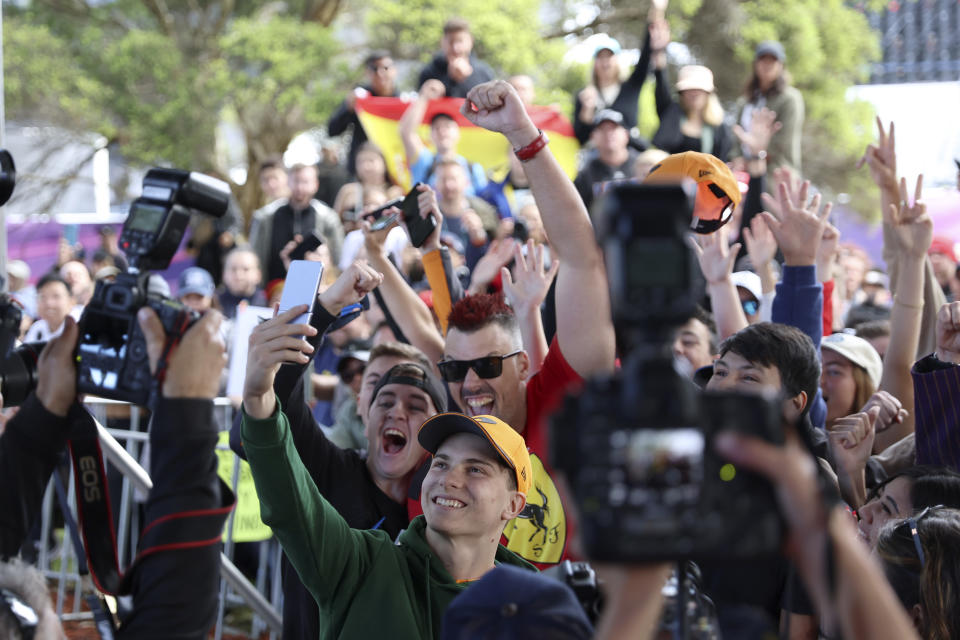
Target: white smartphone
[[301, 287]]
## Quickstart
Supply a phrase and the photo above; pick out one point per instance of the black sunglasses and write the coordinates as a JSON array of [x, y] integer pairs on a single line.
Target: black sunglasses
[[486, 367]]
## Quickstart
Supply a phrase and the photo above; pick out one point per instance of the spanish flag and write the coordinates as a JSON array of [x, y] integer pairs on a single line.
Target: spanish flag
[[380, 118]]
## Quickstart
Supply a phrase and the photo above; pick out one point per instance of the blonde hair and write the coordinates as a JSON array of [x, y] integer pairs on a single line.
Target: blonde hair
[[713, 111], [865, 388]]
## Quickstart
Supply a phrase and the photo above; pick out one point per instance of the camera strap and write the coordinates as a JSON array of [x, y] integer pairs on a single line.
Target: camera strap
[[103, 620], [174, 531]]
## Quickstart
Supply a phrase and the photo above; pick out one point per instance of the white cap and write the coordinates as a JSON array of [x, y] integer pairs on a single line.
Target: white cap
[[858, 351], [18, 269], [749, 281]]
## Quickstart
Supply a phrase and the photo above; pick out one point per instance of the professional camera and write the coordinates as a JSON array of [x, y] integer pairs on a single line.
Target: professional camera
[[8, 176], [111, 349], [18, 366], [637, 446]]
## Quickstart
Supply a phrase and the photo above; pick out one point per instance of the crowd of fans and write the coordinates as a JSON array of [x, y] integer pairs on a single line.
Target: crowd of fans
[[401, 453]]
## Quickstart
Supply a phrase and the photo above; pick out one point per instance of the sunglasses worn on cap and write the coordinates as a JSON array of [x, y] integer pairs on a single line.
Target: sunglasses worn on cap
[[486, 367], [712, 208]]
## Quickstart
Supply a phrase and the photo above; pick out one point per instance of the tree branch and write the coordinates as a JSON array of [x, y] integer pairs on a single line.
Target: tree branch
[[162, 13], [618, 15]]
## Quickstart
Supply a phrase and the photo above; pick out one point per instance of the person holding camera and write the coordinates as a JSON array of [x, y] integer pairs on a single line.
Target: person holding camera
[[175, 578]]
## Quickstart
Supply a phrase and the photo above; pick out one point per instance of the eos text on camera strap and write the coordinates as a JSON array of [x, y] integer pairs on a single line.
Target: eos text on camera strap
[[173, 531]]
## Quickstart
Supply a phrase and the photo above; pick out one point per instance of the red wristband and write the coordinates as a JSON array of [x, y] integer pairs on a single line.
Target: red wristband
[[532, 149]]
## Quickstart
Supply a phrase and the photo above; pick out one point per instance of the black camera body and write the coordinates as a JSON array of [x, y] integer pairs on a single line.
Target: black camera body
[[18, 365], [111, 350], [637, 447]]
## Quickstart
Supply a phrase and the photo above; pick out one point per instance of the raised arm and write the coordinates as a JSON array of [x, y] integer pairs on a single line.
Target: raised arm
[[411, 313], [410, 120], [914, 232], [444, 284], [716, 262], [329, 557], [176, 576], [798, 228], [584, 325], [881, 159], [526, 290]]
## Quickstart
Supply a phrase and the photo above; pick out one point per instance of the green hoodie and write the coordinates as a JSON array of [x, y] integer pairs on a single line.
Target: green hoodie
[[366, 586]]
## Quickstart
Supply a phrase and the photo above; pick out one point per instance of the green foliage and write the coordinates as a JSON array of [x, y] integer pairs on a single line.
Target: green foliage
[[44, 82], [158, 78], [158, 86], [829, 48], [293, 78]]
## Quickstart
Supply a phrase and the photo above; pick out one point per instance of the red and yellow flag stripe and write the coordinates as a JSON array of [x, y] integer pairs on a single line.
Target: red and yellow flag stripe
[[380, 118]]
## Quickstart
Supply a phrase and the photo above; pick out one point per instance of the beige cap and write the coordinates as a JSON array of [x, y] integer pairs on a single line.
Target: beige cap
[[695, 76], [858, 351]]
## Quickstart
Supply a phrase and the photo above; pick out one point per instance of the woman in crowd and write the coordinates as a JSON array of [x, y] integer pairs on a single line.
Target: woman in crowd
[[921, 559], [371, 168], [769, 86], [905, 494], [607, 89], [695, 123], [851, 374]]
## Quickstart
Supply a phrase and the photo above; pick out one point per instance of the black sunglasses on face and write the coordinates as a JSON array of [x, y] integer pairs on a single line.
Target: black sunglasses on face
[[486, 367]]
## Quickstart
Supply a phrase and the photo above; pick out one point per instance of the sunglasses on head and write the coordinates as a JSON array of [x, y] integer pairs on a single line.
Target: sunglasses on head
[[911, 523], [486, 367]]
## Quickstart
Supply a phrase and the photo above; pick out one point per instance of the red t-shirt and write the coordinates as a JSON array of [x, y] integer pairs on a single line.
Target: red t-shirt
[[540, 533]]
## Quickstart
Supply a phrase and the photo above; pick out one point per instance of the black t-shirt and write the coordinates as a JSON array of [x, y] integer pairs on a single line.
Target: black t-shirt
[[229, 301], [596, 172], [287, 223]]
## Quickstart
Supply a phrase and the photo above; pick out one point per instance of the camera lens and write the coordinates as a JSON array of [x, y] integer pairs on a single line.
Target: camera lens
[[18, 373]]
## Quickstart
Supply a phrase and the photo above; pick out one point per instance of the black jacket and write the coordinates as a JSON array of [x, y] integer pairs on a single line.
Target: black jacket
[[596, 172], [346, 118], [175, 590], [626, 101], [437, 69], [671, 139]]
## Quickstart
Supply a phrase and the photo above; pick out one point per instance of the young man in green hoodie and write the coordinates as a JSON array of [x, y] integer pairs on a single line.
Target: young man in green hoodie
[[363, 582]]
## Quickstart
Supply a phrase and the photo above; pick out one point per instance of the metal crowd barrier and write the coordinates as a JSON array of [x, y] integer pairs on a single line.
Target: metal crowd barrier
[[264, 596]]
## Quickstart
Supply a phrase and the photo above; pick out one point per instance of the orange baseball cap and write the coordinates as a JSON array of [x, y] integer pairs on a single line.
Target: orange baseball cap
[[502, 437], [717, 190]]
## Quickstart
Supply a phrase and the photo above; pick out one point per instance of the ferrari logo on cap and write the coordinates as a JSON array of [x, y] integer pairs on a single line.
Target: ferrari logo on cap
[[484, 420]]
